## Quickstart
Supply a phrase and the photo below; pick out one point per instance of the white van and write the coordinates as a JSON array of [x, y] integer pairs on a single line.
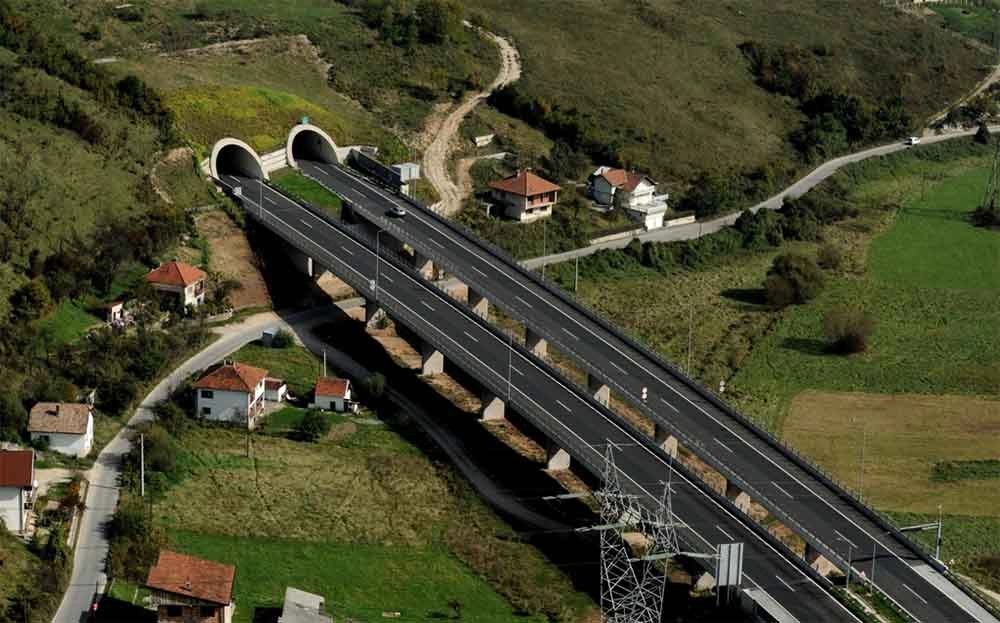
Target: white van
[[913, 140]]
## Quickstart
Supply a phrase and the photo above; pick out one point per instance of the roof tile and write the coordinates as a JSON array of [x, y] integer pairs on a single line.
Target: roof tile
[[232, 377], [71, 418], [185, 575], [525, 184], [175, 273], [328, 386], [17, 468]]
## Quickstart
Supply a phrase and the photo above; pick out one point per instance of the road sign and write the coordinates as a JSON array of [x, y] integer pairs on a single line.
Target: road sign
[[371, 284], [305, 120], [729, 570], [238, 191]]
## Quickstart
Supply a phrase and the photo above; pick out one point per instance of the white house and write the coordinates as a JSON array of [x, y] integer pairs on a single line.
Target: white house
[[68, 427], [232, 393], [332, 394], [275, 390], [17, 488], [181, 280], [525, 196], [303, 607], [633, 192]]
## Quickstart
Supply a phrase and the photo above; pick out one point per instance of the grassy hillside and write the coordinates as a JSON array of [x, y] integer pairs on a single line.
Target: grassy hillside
[[665, 83]]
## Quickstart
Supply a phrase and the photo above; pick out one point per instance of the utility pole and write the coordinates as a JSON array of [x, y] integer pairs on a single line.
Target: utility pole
[[861, 474], [576, 277], [690, 337], [378, 255], [874, 552], [324, 362], [510, 362], [142, 465], [937, 546], [545, 242]]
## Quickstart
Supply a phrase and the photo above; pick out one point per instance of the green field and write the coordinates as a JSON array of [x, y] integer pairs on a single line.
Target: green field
[[973, 21], [665, 82], [67, 322], [361, 581], [296, 365], [308, 190]]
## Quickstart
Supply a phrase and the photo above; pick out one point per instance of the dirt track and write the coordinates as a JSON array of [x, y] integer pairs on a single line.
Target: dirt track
[[437, 154]]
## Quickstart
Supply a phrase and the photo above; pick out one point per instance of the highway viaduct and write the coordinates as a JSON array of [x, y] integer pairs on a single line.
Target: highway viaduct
[[756, 467]]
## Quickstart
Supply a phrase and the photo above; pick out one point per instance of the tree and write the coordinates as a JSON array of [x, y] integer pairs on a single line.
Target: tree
[[31, 300], [830, 257], [792, 279], [313, 426], [374, 385], [848, 330], [982, 134], [282, 339], [439, 21], [13, 416]]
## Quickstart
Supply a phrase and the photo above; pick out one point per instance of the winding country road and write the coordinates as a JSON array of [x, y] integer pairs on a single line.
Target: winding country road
[[438, 153]]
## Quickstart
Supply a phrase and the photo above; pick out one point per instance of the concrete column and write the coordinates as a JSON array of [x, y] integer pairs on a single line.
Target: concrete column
[[374, 314], [480, 306], [665, 440], [493, 407], [431, 360], [423, 265], [536, 343], [738, 497], [558, 459], [601, 392], [818, 561]]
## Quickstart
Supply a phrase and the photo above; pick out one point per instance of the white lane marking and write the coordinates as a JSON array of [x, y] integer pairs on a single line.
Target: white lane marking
[[305, 223], [599, 455], [436, 242], [516, 370], [780, 488], [789, 586], [620, 369], [728, 536], [269, 200], [664, 401], [569, 333], [716, 439], [907, 587], [386, 277], [849, 541], [470, 336], [524, 302], [479, 271], [346, 250], [424, 303], [563, 405]]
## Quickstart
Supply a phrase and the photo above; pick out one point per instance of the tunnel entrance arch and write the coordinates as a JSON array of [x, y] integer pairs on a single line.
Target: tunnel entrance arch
[[234, 157], [312, 143]]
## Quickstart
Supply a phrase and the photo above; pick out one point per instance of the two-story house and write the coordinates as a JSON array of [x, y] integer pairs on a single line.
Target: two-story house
[[632, 192], [232, 393], [525, 196], [185, 589], [180, 280], [67, 427], [17, 488]]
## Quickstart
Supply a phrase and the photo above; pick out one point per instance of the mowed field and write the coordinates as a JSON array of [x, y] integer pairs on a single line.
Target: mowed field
[[904, 437], [665, 79]]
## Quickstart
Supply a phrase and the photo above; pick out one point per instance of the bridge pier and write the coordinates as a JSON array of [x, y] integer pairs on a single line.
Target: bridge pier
[[479, 304], [738, 497], [600, 391], [431, 360], [665, 440], [374, 314], [818, 561], [556, 458], [423, 265], [492, 407], [537, 344]]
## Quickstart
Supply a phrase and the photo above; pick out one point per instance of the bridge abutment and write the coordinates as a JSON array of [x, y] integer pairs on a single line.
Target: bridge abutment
[[537, 344], [374, 314], [818, 561], [556, 458], [665, 440], [493, 408], [479, 304], [600, 391], [431, 360], [738, 496], [423, 265]]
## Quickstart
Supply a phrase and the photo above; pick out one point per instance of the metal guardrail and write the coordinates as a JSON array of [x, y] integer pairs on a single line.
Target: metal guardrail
[[591, 458]]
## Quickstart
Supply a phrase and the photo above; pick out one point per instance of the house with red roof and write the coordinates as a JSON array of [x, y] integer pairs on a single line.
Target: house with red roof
[[184, 589], [630, 191], [180, 280], [232, 393], [332, 394], [17, 488], [525, 196]]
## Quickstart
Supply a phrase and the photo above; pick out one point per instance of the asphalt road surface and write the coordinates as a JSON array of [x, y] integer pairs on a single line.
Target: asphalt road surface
[[819, 512], [577, 423]]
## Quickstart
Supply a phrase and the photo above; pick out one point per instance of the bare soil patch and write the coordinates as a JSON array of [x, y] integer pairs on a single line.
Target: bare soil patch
[[233, 258]]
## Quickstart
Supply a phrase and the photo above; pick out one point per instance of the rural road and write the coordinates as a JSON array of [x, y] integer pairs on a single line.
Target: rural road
[[701, 228], [438, 153], [92, 544]]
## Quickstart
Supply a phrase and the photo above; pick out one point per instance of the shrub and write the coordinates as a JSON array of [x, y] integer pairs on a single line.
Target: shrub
[[374, 385], [283, 339], [313, 426], [830, 257], [982, 134], [793, 279], [848, 330]]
